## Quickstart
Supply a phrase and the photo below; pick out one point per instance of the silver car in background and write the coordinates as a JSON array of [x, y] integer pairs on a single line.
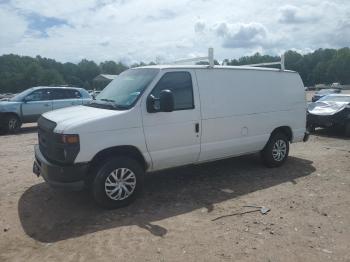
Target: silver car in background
[[27, 106]]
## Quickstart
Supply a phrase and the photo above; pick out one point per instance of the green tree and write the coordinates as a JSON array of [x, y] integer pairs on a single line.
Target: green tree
[[109, 67], [88, 70], [51, 77], [21, 72]]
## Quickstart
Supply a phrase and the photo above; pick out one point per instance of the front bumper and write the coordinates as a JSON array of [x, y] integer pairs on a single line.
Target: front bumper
[[60, 176]]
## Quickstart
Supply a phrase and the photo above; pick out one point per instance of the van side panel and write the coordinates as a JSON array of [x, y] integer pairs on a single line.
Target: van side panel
[[240, 108]]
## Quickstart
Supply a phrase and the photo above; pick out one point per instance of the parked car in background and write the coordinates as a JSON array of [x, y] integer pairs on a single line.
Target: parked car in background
[[329, 111], [94, 93], [28, 105], [324, 92], [336, 85]]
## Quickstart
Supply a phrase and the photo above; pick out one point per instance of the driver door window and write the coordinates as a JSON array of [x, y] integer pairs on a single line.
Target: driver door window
[[180, 83]]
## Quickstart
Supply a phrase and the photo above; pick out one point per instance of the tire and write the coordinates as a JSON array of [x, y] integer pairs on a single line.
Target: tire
[[276, 151], [311, 129], [106, 190], [12, 124], [347, 129]]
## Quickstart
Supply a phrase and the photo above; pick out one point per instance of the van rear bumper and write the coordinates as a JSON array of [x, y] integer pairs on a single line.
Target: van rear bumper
[[70, 177]]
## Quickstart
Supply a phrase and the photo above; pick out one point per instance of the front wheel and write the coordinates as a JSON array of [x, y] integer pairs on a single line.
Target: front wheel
[[119, 180], [276, 151], [12, 124]]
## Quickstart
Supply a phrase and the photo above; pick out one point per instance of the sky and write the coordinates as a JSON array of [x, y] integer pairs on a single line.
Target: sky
[[166, 30]]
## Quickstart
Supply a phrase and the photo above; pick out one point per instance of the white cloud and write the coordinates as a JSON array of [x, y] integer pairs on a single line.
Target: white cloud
[[290, 14], [63, 9], [242, 35], [341, 36], [199, 26], [136, 30], [13, 27]]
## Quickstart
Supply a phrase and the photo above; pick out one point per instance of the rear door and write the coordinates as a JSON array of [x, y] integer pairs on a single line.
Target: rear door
[[65, 98], [173, 138], [36, 103]]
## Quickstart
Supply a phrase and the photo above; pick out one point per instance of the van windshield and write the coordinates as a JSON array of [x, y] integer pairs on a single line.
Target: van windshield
[[123, 92]]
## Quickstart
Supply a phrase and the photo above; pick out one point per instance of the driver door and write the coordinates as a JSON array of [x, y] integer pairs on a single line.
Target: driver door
[[173, 138], [35, 104]]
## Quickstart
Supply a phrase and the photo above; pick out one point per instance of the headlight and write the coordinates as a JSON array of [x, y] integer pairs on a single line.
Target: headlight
[[70, 139], [66, 148]]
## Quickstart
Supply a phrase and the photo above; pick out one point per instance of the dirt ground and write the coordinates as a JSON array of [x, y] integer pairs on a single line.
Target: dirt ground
[[309, 220]]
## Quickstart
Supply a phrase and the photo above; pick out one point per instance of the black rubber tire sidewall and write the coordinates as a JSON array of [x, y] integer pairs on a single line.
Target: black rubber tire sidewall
[[7, 127], [347, 129], [266, 153], [98, 184]]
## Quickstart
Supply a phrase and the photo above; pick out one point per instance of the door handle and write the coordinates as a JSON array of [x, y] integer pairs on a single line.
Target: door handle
[[196, 127], [46, 105]]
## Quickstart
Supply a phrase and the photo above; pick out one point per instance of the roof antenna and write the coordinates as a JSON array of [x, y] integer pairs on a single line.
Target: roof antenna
[[211, 57], [282, 62]]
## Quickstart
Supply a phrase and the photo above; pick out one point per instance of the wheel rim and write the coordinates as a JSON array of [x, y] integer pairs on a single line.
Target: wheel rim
[[279, 150], [12, 123], [120, 184]]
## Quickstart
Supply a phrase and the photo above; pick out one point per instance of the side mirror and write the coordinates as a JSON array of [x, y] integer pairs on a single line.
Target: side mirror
[[25, 100], [150, 103], [166, 101]]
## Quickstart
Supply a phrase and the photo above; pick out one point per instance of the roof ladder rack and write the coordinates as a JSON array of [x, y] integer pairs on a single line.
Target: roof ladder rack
[[272, 63], [210, 58]]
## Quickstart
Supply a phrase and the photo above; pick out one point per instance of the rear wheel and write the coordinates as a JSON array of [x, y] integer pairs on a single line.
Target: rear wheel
[[311, 129], [118, 182], [276, 151]]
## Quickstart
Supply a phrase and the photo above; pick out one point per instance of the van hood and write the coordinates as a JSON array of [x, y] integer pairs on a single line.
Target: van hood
[[87, 119], [326, 108]]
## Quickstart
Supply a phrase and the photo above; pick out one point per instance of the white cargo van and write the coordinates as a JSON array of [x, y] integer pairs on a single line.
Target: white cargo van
[[157, 117]]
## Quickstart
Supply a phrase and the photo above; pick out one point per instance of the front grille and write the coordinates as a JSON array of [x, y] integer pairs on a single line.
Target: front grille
[[47, 138], [51, 146]]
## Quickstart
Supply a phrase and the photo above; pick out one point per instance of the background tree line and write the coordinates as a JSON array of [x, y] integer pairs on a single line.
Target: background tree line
[[20, 72]]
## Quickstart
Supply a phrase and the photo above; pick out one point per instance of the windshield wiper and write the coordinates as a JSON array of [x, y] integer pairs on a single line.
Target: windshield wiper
[[110, 103], [107, 100]]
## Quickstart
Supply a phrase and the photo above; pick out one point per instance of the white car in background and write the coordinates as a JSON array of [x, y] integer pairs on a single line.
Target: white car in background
[[330, 111]]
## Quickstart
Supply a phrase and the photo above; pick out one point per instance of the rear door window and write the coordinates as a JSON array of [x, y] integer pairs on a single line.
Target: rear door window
[[59, 94], [73, 94]]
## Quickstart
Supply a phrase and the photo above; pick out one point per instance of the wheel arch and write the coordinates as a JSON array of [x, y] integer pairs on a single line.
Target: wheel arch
[[5, 114], [286, 130], [125, 150]]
